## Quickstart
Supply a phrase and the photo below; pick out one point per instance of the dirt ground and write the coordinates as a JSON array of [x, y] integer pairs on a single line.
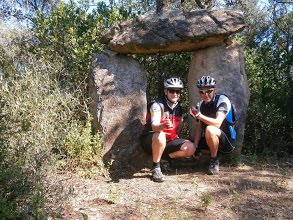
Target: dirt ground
[[248, 191]]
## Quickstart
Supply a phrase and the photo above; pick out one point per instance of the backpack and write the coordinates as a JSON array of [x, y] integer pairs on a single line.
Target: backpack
[[232, 118], [233, 115]]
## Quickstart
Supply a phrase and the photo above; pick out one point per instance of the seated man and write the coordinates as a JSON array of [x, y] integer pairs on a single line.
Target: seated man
[[160, 136], [212, 128]]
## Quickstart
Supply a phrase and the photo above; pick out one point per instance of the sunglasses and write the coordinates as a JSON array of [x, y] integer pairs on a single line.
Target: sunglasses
[[174, 91], [208, 91]]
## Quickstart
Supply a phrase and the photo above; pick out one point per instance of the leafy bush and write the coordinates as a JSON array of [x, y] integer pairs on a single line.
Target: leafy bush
[[6, 211], [72, 34], [269, 123], [38, 126], [83, 150]]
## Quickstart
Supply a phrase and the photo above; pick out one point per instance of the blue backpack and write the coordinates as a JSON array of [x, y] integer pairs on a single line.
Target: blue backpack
[[232, 118]]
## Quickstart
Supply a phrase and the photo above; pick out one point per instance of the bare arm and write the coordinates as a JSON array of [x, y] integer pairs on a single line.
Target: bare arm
[[217, 122], [159, 125]]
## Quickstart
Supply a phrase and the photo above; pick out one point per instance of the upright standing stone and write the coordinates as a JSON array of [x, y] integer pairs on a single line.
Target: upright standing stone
[[226, 65], [118, 89]]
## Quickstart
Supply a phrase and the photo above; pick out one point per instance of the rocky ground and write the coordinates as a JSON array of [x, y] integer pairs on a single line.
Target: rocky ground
[[248, 191]]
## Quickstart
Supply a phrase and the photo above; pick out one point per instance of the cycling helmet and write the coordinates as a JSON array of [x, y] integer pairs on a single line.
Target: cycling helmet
[[173, 83], [206, 81]]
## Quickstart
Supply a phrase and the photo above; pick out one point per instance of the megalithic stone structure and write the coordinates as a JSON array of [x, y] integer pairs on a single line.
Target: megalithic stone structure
[[118, 82], [226, 64], [118, 90], [173, 31]]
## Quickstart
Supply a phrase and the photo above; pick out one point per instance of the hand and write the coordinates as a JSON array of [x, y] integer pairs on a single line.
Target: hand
[[167, 123], [194, 111], [197, 154]]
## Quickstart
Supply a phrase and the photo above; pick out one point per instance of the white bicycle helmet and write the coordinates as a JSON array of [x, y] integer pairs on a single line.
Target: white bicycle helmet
[[173, 83], [206, 81]]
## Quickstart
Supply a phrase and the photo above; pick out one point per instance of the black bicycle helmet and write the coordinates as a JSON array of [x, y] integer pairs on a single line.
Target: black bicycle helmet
[[206, 81], [173, 82]]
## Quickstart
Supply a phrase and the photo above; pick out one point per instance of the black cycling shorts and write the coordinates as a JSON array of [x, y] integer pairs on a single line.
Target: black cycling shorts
[[226, 145], [171, 146]]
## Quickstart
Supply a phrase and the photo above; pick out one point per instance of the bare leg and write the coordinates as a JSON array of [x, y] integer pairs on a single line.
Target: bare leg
[[158, 146], [212, 135], [187, 149]]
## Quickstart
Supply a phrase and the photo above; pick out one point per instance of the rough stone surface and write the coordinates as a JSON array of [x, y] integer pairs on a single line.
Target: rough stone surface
[[118, 89], [226, 65], [173, 31]]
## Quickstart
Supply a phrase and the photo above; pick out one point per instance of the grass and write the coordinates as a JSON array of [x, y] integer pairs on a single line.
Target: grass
[[206, 200]]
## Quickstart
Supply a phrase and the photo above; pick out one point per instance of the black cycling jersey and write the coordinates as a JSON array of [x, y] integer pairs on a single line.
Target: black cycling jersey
[[210, 109]]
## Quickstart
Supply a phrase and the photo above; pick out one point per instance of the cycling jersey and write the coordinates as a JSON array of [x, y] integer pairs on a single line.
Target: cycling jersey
[[159, 108], [220, 103]]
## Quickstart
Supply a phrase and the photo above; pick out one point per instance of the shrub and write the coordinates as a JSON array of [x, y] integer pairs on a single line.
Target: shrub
[[39, 125], [83, 150]]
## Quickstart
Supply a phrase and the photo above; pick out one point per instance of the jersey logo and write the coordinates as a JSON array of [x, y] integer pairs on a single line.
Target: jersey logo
[[222, 109], [156, 107]]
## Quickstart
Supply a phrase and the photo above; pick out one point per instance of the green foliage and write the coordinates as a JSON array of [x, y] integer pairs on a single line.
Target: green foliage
[[113, 194], [34, 114], [43, 101], [10, 52], [206, 200], [270, 84], [70, 34], [256, 18], [6, 210], [37, 205], [25, 10], [163, 66], [82, 148], [33, 107], [268, 52]]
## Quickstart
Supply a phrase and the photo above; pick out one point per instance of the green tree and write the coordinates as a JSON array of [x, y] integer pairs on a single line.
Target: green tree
[[268, 52], [25, 10], [72, 34]]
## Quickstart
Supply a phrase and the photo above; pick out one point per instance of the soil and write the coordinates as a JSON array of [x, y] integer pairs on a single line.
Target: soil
[[248, 191]]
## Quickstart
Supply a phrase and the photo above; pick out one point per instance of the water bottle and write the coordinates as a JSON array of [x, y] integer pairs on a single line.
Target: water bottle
[[167, 115]]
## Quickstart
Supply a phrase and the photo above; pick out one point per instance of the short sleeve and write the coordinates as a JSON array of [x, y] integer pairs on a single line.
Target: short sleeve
[[224, 104], [155, 111]]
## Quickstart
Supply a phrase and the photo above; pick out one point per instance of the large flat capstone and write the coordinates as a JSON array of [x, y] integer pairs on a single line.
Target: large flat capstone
[[173, 31]]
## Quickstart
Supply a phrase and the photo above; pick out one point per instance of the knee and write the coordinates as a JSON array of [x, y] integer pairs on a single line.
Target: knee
[[160, 138], [188, 148], [210, 131]]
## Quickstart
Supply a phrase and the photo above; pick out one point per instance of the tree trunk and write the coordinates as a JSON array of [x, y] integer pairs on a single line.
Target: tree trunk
[[164, 5]]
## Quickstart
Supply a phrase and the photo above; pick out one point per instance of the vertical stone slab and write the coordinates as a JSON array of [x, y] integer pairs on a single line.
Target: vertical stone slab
[[226, 65], [118, 91]]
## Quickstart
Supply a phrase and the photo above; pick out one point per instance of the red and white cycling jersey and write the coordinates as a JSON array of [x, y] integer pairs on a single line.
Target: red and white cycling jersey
[[158, 110]]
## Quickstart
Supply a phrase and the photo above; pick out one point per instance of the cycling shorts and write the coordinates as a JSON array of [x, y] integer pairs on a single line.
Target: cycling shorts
[[226, 144], [171, 146]]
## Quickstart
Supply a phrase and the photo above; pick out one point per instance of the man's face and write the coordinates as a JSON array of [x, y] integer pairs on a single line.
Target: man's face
[[207, 93], [173, 94]]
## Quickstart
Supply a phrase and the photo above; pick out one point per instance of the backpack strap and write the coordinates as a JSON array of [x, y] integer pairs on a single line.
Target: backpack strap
[[234, 115], [229, 115]]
